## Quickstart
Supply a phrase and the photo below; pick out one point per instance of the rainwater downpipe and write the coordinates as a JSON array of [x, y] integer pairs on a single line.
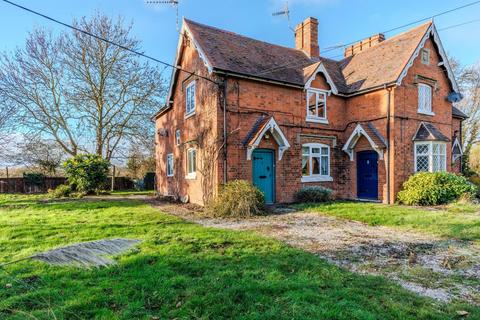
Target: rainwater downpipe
[[389, 90], [224, 88]]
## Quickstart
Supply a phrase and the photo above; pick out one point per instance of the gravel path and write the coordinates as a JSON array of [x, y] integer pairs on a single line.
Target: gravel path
[[438, 268]]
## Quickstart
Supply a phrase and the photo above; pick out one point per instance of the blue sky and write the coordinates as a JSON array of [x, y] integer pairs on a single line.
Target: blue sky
[[341, 21]]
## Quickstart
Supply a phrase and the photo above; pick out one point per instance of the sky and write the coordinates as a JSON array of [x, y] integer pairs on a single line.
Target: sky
[[341, 21]]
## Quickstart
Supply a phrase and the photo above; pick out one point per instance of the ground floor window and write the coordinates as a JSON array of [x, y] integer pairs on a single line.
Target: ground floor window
[[315, 162], [430, 156], [170, 165], [191, 163]]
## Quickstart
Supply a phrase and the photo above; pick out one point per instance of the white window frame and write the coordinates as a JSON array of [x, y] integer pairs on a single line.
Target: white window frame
[[177, 137], [316, 177], [191, 174], [427, 60], [456, 143], [430, 155], [170, 165], [319, 95], [190, 99], [425, 94]]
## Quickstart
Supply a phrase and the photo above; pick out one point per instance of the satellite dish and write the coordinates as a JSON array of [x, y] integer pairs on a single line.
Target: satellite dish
[[455, 97]]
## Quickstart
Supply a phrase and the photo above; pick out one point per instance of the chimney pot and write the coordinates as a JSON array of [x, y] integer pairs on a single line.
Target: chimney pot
[[364, 44]]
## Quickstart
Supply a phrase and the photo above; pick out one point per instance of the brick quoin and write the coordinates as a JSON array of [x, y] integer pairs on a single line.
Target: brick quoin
[[249, 99]]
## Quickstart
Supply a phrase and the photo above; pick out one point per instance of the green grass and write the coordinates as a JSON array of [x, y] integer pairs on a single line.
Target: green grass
[[133, 193], [456, 221], [181, 270]]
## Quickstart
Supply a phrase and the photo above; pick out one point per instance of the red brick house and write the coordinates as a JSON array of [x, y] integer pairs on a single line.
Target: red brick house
[[285, 118]]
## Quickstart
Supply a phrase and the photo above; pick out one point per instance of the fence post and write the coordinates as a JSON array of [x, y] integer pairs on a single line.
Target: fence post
[[113, 178]]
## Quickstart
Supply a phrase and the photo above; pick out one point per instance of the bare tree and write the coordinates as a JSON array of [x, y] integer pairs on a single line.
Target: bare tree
[[86, 94], [38, 154], [469, 81]]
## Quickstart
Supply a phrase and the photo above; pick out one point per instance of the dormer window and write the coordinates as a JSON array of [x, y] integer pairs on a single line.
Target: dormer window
[[425, 56], [425, 99], [317, 106], [190, 99]]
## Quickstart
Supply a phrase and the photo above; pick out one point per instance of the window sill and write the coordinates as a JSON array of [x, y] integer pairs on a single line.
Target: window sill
[[191, 176], [189, 115], [317, 120], [317, 179], [427, 113], [170, 175]]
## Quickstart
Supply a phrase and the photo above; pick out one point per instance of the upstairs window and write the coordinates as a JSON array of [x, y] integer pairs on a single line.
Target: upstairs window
[[170, 165], [190, 99], [191, 164], [316, 106], [430, 156], [177, 137], [315, 162], [425, 56], [425, 99]]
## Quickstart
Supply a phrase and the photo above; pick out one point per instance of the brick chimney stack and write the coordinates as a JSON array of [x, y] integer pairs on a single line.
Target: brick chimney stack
[[364, 44], [306, 37]]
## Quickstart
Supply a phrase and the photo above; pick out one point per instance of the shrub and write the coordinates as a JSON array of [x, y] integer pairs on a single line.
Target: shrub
[[238, 198], [428, 188], [86, 173], [62, 191], [313, 194]]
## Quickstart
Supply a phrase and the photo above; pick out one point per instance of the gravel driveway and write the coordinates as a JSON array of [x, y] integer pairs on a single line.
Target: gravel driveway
[[438, 268]]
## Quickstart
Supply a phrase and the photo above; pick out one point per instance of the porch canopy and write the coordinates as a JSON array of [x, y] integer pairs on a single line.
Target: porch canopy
[[261, 127], [367, 130]]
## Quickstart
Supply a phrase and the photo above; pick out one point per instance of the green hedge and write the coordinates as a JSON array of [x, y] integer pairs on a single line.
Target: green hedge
[[426, 189]]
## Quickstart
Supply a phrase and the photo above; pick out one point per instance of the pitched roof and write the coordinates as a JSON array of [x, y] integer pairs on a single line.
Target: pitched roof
[[428, 132], [457, 113], [382, 63], [375, 135], [230, 52]]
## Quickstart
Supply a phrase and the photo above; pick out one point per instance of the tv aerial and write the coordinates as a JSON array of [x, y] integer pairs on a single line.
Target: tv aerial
[[286, 13], [174, 3]]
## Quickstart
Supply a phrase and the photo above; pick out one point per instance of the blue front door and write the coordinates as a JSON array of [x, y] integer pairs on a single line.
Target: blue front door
[[264, 173], [367, 175]]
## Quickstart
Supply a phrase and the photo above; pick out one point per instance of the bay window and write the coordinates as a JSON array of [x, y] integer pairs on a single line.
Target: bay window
[[430, 156], [315, 162]]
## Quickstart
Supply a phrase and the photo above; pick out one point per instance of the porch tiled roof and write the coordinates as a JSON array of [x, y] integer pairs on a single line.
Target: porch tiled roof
[[457, 113], [375, 135], [256, 129], [428, 132]]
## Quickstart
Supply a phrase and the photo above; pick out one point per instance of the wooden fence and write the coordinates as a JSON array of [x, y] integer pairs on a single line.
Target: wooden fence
[[19, 185]]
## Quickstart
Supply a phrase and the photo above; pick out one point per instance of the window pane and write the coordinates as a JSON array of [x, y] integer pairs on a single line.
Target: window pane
[[436, 163], [305, 151], [311, 104], [316, 150], [305, 166], [324, 151], [324, 167], [194, 161], [321, 109], [422, 163], [422, 149], [315, 165]]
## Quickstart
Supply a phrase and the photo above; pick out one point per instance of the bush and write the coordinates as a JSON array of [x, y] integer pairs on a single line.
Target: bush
[[313, 194], [86, 173], [427, 189], [62, 191], [238, 198]]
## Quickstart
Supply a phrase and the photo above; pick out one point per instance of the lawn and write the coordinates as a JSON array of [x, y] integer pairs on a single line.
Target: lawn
[[456, 221], [181, 270]]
